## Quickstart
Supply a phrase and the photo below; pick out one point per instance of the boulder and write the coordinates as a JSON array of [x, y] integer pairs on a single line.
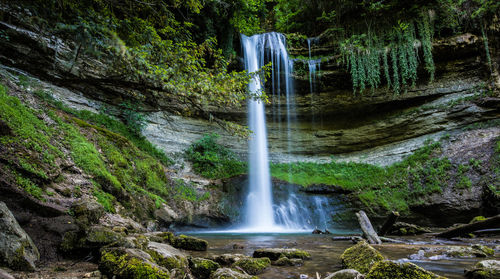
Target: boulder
[[229, 259], [130, 264], [166, 215], [253, 266], [228, 273], [87, 212], [361, 257], [346, 274], [202, 268], [17, 250], [168, 257], [275, 253], [489, 269], [285, 261], [402, 228], [98, 236], [190, 243], [393, 270]]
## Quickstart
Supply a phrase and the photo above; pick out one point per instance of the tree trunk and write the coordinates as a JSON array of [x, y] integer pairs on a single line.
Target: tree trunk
[[367, 228], [490, 223]]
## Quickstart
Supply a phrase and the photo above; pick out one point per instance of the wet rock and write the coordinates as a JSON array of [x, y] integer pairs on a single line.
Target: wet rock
[[5, 275], [87, 212], [202, 268], [275, 253], [130, 264], [93, 275], [238, 246], [489, 269], [228, 273], [402, 228], [253, 266], [229, 259], [346, 274], [392, 270], [462, 251], [166, 215], [361, 257], [17, 250], [98, 236], [168, 257], [190, 243]]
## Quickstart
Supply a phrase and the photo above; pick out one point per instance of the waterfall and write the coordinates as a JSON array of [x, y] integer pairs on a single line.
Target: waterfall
[[258, 50]]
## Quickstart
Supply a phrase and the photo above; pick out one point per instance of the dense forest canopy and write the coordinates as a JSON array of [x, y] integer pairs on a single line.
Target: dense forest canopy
[[188, 49]]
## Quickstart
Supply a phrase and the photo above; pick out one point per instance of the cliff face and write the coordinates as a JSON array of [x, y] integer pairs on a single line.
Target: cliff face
[[332, 120]]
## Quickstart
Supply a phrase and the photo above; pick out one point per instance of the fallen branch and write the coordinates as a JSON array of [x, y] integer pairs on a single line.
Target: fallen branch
[[366, 226], [489, 223]]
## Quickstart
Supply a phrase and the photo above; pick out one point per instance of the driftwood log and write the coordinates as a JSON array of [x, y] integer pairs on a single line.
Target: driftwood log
[[489, 223], [391, 219], [366, 226]]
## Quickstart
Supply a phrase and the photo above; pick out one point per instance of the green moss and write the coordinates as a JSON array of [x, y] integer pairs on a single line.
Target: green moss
[[128, 267], [477, 219], [392, 270], [30, 187], [277, 253], [253, 266], [167, 262], [190, 243], [361, 257], [202, 268]]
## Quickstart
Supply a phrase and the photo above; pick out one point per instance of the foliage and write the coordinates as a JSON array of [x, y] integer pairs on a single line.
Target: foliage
[[134, 119], [212, 160], [150, 47]]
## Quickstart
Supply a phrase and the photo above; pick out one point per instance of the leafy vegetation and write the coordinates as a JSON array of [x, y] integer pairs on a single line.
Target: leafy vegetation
[[212, 160], [395, 187]]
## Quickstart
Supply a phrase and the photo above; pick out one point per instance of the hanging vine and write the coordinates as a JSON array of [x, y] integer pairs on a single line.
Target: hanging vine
[[368, 55]]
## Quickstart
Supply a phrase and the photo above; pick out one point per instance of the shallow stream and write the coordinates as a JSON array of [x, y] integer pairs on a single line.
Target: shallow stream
[[326, 253]]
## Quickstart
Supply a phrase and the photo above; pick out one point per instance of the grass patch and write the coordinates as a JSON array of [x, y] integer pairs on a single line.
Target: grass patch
[[394, 187]]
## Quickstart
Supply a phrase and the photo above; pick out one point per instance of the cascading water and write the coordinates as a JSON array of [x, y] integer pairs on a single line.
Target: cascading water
[[289, 213], [259, 210]]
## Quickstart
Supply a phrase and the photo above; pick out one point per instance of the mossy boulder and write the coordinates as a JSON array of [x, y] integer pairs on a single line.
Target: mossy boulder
[[99, 236], [229, 259], [393, 270], [489, 269], [361, 257], [202, 268], [275, 253], [121, 263], [190, 243], [253, 266], [285, 261], [87, 212], [346, 274], [228, 273], [17, 250], [168, 257]]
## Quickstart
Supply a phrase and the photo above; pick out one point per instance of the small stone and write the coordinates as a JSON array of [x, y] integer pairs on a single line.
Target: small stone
[[276, 253], [190, 243], [238, 246], [346, 274]]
